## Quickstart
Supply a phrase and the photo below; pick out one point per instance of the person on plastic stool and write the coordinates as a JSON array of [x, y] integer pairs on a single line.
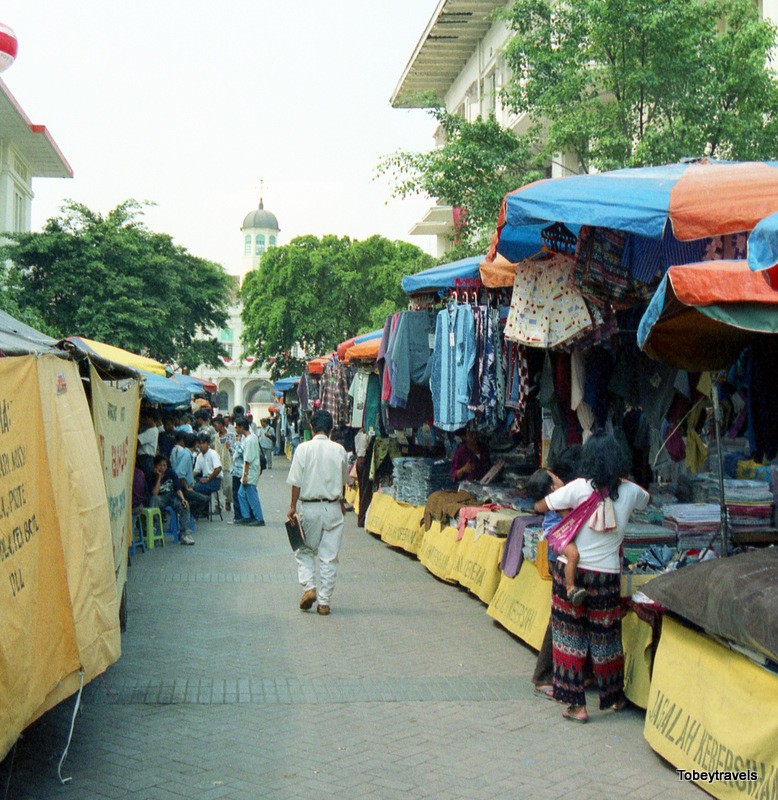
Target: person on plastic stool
[[248, 496], [165, 491], [318, 477], [207, 467]]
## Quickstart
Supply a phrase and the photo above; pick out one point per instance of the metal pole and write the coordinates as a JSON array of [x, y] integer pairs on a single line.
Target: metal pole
[[724, 525]]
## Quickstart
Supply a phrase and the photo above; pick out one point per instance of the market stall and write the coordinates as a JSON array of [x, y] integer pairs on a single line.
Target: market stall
[[537, 350], [59, 606]]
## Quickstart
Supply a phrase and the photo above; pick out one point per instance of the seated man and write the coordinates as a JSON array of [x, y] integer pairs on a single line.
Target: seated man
[[165, 492], [208, 467], [183, 465]]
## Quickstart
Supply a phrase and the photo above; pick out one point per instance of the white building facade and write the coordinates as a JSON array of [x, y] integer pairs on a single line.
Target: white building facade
[[236, 382], [27, 151]]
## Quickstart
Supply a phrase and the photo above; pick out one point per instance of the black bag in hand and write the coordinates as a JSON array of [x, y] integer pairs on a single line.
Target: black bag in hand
[[294, 530]]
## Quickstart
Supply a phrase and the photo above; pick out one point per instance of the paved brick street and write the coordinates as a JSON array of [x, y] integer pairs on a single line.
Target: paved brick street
[[226, 690]]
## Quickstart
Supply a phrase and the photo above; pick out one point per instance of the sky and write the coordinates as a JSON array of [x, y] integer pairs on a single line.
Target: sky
[[190, 104]]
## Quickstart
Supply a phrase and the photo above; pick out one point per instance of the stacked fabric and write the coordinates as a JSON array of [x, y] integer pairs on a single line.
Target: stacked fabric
[[639, 533], [507, 496], [531, 539], [415, 479], [694, 523], [749, 503], [495, 523]]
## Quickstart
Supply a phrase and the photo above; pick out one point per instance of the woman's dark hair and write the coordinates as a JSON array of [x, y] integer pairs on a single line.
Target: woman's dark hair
[[567, 464], [539, 484], [604, 462]]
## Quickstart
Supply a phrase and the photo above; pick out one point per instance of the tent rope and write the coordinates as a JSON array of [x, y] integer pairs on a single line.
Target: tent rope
[[62, 780]]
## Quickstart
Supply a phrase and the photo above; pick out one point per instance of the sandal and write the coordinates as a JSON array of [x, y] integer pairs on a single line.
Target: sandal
[[620, 705], [545, 691], [574, 718]]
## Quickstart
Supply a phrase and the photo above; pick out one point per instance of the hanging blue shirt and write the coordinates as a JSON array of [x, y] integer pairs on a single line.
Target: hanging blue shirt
[[452, 367]]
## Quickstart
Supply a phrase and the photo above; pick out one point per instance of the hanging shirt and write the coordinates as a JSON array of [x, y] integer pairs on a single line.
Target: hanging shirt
[[410, 355], [147, 441], [452, 367], [358, 392]]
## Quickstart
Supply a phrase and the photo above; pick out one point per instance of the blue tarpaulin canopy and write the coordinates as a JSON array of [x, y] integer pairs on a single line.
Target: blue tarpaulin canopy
[[194, 385], [164, 391], [366, 337], [284, 384], [763, 249], [443, 276], [698, 198]]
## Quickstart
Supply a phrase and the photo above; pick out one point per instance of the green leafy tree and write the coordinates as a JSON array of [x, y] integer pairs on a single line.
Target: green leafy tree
[[112, 279], [478, 164], [623, 83], [314, 293]]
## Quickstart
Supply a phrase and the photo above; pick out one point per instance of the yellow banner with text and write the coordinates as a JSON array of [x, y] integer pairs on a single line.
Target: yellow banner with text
[[37, 631], [713, 714]]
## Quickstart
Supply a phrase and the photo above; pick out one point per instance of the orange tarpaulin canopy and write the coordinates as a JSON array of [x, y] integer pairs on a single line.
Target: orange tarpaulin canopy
[[716, 282], [316, 366], [365, 350], [343, 346], [498, 273]]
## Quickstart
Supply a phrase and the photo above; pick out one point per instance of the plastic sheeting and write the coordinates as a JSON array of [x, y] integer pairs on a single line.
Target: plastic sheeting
[[443, 276], [735, 598]]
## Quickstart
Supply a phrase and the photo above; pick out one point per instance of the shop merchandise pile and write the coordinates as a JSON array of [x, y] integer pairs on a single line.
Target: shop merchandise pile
[[415, 479], [694, 523], [749, 503]]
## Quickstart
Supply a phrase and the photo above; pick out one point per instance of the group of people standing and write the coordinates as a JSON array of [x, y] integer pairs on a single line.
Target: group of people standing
[[183, 459]]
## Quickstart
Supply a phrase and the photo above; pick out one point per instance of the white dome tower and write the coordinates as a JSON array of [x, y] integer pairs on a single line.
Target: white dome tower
[[260, 233]]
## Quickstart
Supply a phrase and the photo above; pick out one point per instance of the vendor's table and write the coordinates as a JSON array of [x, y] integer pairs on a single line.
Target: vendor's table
[[437, 551], [522, 605], [476, 564], [398, 524], [711, 709]]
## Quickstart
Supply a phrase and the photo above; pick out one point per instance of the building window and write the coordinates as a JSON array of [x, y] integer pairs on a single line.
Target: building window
[[226, 335], [229, 349], [224, 401], [247, 246], [272, 241], [19, 214], [260, 248]]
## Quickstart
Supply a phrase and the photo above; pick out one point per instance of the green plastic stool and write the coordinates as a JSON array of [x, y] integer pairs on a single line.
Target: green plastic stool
[[151, 523]]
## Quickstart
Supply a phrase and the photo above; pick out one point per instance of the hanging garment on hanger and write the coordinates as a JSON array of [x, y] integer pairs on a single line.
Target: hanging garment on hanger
[[545, 310], [452, 367]]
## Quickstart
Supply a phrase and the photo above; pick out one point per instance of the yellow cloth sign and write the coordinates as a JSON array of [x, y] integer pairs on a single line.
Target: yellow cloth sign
[[712, 710], [476, 565], [636, 638], [116, 415], [523, 605], [82, 509], [37, 631], [398, 524], [438, 549], [380, 506]]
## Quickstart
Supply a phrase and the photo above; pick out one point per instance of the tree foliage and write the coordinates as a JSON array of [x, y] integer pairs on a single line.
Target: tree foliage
[[643, 82], [478, 164], [314, 293], [111, 279]]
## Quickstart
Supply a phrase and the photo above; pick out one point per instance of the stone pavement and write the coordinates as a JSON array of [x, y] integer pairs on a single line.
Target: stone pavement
[[225, 689]]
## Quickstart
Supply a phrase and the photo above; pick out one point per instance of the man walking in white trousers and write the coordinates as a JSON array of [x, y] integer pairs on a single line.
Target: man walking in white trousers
[[318, 477]]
